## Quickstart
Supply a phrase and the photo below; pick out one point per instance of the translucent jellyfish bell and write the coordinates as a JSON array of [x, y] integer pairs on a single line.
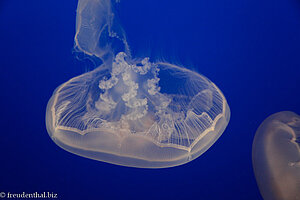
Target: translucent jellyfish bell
[[132, 112], [98, 32], [276, 157]]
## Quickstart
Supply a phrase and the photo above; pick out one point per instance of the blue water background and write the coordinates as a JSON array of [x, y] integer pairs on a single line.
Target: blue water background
[[249, 48]]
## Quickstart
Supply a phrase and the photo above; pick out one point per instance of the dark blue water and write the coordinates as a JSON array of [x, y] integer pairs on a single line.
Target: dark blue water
[[249, 48]]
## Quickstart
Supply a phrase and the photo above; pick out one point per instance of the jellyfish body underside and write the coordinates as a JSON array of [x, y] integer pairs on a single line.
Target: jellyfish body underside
[[123, 116]]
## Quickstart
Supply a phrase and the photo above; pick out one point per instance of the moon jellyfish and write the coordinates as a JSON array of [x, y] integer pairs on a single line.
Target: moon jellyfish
[[276, 157], [131, 111]]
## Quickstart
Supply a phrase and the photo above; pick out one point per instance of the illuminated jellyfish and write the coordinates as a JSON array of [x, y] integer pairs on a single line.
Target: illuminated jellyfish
[[132, 112], [276, 157]]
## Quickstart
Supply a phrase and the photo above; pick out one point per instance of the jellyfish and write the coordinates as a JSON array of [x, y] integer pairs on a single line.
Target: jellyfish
[[132, 111], [276, 157]]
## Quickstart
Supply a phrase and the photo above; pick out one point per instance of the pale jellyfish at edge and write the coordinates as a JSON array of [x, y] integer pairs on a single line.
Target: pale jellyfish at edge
[[132, 112], [276, 157]]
